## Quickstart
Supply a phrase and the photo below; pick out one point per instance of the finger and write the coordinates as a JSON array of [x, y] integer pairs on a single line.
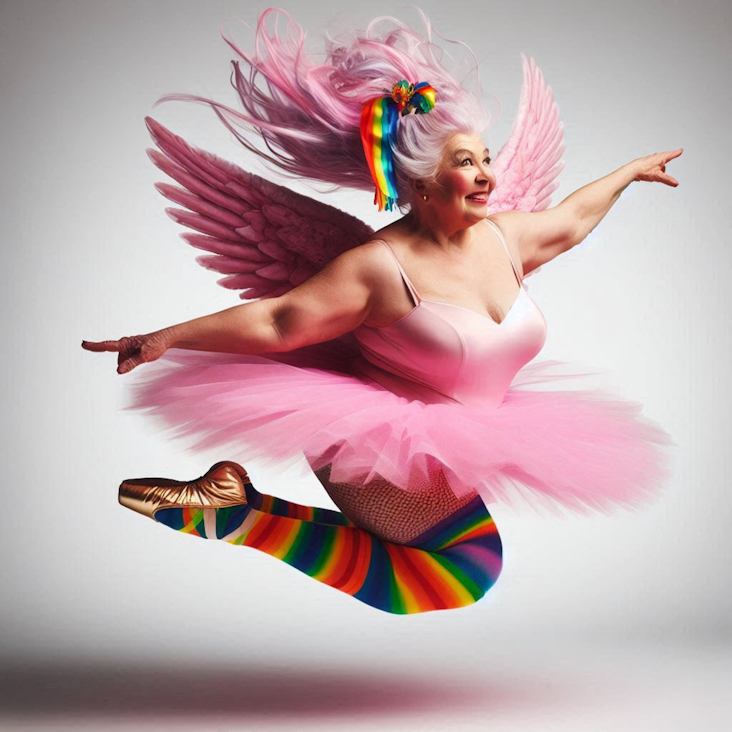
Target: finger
[[668, 180], [673, 154], [100, 346], [126, 355], [129, 364]]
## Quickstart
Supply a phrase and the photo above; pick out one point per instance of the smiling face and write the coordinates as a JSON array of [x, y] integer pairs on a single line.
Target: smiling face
[[459, 196]]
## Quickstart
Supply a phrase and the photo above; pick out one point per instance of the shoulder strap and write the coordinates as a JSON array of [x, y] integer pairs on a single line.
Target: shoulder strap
[[407, 281], [505, 246]]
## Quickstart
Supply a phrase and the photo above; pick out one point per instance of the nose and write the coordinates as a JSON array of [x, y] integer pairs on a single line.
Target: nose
[[484, 175]]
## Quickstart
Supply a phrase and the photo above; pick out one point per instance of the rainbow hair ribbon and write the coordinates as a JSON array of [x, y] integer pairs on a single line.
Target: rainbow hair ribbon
[[378, 130]]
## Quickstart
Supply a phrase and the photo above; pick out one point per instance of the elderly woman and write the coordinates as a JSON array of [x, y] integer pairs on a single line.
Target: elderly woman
[[406, 413]]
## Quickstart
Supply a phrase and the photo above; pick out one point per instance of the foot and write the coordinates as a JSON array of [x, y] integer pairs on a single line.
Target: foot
[[222, 486]]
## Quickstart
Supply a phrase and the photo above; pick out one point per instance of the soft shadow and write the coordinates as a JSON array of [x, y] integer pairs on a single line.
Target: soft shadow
[[129, 691]]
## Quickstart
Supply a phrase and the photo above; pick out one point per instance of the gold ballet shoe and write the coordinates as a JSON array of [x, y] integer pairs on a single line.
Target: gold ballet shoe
[[221, 486]]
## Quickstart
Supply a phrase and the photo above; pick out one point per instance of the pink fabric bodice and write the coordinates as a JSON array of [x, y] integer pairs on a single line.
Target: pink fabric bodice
[[442, 352]]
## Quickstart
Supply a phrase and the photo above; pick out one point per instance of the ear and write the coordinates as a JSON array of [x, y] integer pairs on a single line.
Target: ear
[[418, 186]]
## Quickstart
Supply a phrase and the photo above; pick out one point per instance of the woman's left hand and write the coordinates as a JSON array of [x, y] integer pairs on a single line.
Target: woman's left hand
[[652, 168]]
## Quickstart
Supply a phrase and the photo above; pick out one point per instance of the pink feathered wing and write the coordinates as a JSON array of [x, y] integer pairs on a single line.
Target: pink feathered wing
[[268, 239], [529, 163]]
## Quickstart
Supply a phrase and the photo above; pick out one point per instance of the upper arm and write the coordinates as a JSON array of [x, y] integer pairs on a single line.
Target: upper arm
[[332, 302], [540, 236]]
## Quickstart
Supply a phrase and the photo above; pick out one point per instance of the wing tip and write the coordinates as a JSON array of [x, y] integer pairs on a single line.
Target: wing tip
[[174, 213], [154, 127], [157, 158]]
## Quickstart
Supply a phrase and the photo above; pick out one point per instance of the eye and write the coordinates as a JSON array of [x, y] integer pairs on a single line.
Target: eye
[[468, 160]]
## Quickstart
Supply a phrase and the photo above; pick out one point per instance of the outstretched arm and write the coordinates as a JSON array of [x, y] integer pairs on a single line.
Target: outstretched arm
[[543, 235], [334, 301]]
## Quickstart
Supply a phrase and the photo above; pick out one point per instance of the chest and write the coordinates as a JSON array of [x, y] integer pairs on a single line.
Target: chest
[[456, 351], [483, 277], [481, 280]]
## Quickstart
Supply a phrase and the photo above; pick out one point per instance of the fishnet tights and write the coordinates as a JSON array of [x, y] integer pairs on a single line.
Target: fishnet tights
[[391, 513]]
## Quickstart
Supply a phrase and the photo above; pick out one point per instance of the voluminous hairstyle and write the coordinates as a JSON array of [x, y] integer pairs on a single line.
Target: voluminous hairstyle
[[308, 114]]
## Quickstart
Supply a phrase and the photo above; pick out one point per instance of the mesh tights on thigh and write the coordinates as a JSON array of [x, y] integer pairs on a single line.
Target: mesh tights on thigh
[[391, 513]]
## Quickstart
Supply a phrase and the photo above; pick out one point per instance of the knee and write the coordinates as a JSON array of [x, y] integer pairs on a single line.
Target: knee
[[493, 559]]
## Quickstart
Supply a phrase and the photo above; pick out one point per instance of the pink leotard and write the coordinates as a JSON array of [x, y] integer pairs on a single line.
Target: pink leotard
[[442, 352]]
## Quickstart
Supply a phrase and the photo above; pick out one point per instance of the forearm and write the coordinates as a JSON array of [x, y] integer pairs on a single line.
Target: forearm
[[591, 202], [249, 328]]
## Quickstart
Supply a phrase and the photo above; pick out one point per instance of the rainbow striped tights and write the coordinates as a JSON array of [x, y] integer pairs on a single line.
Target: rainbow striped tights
[[451, 565]]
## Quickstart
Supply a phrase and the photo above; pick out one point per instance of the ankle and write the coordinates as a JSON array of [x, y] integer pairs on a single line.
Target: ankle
[[254, 497]]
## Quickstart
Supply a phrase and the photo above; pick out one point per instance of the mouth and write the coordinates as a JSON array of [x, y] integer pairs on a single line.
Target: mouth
[[479, 198]]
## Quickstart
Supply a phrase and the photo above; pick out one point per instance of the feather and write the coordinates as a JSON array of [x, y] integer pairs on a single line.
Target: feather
[[227, 265], [528, 164], [243, 219], [231, 249]]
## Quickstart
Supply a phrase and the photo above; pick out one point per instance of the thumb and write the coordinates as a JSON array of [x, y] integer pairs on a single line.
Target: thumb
[[129, 364]]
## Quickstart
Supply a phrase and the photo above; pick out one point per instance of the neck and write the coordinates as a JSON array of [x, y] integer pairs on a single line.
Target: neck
[[425, 226]]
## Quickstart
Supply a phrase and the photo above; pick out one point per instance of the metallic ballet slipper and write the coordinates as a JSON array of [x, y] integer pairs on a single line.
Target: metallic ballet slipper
[[220, 487]]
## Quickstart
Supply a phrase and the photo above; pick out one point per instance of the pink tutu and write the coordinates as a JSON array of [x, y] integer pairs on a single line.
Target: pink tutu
[[585, 448]]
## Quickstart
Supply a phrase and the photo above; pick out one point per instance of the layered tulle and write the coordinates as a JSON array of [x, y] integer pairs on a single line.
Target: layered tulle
[[582, 448]]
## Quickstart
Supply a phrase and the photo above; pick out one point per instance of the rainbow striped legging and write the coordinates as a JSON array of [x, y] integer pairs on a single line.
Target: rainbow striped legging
[[452, 564]]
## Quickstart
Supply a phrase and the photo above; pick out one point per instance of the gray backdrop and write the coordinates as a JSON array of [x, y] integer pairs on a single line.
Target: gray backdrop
[[89, 253]]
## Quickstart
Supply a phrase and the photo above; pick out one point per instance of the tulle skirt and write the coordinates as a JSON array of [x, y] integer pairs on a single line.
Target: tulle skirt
[[580, 448]]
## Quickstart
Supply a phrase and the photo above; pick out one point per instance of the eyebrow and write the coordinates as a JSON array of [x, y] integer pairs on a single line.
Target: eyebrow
[[464, 150]]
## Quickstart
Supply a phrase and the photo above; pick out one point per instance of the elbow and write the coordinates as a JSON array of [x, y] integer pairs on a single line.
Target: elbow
[[581, 231], [575, 229], [280, 339], [284, 334], [264, 331], [575, 236]]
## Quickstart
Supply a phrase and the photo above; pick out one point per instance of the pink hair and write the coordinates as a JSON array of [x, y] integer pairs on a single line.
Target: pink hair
[[309, 114]]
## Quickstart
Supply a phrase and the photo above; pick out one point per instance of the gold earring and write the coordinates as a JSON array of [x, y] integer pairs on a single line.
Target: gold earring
[[424, 198]]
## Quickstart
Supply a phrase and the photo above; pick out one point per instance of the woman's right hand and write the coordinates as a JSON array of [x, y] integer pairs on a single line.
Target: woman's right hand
[[133, 350]]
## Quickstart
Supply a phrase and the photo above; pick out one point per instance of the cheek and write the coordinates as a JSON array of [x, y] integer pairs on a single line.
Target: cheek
[[458, 184], [465, 186]]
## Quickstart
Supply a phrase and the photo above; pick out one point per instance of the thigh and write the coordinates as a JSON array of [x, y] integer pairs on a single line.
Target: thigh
[[391, 513]]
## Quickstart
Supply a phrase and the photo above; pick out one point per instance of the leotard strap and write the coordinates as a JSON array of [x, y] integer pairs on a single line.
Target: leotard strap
[[413, 291], [505, 246]]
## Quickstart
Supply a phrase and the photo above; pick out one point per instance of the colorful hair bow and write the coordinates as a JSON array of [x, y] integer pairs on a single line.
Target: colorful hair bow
[[378, 130]]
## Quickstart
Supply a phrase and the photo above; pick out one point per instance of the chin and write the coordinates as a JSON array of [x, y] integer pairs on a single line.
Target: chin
[[475, 213]]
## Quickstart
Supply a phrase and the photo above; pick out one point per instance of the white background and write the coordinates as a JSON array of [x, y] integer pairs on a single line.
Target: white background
[[122, 617]]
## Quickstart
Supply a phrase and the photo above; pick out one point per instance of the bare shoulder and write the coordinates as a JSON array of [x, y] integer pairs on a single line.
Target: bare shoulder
[[370, 263], [509, 224], [540, 236]]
